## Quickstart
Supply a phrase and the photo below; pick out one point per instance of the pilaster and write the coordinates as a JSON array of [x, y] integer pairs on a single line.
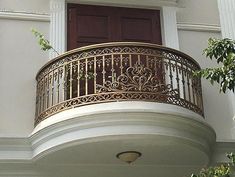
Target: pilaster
[[170, 33], [57, 26], [227, 20]]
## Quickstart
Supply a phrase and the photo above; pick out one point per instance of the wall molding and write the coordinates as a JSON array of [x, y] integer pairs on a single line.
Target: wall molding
[[18, 15], [199, 27], [149, 4]]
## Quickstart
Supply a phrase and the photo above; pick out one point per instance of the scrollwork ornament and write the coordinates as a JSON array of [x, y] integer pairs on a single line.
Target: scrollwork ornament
[[138, 79]]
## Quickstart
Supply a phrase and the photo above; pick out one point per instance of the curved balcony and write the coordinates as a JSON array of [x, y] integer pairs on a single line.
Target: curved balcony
[[119, 71]]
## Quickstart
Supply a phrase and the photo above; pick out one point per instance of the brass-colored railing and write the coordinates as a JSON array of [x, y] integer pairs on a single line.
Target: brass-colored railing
[[116, 72]]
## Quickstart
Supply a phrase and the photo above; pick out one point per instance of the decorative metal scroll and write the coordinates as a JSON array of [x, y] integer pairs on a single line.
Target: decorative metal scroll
[[118, 72], [137, 79]]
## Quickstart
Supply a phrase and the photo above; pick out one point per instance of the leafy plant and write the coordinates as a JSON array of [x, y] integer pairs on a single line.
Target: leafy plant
[[43, 42], [223, 170], [223, 50]]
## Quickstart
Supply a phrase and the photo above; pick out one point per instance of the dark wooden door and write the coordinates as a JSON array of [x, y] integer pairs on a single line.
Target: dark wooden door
[[97, 24]]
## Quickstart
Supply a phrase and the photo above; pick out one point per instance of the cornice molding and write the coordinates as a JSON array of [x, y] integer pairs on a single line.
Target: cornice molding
[[17, 15], [199, 27], [150, 4]]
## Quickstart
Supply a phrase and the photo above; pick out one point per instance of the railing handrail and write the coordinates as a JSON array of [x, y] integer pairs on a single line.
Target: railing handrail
[[109, 44]]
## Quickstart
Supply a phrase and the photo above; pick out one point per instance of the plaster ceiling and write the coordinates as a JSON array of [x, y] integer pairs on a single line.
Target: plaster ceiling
[[160, 155]]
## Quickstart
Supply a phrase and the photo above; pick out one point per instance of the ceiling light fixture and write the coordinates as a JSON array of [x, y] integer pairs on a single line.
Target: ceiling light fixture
[[128, 156]]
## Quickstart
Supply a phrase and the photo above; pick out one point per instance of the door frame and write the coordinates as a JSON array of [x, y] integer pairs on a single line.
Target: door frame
[[58, 16]]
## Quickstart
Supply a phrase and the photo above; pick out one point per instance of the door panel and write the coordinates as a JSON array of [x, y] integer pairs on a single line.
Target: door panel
[[136, 29], [89, 23]]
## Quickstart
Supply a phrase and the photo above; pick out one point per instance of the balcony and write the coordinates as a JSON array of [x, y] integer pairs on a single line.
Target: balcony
[[115, 72], [118, 97]]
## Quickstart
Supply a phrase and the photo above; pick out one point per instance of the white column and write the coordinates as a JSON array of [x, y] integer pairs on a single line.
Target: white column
[[227, 21], [227, 18], [170, 32], [57, 26]]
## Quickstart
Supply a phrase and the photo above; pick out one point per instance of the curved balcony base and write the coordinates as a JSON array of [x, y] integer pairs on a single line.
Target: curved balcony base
[[94, 134]]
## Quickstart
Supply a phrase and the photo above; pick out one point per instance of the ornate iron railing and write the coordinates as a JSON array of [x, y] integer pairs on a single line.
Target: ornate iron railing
[[115, 72]]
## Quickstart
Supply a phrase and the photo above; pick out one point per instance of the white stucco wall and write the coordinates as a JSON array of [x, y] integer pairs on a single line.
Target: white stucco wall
[[20, 59], [217, 107], [29, 6], [218, 112], [198, 12]]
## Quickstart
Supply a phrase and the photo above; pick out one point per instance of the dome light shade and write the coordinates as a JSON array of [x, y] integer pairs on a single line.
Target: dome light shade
[[128, 156]]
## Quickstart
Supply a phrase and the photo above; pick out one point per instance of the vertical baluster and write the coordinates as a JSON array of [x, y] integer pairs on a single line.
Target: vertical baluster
[[183, 79], [177, 77], [170, 75], [39, 97], [52, 88], [147, 61], [94, 74], [64, 84], [42, 95], [130, 60], [78, 78], [36, 110], [138, 58], [70, 80], [58, 85], [49, 90], [86, 77], [43, 92], [193, 89], [121, 64], [61, 80], [112, 67], [39, 93], [47, 99], [103, 72], [200, 95], [195, 92], [156, 68], [188, 83], [163, 70]]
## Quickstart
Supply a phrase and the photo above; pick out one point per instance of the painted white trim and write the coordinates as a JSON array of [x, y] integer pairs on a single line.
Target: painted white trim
[[227, 20], [117, 107], [170, 33], [148, 4], [199, 27], [14, 15], [109, 120], [15, 149], [57, 27]]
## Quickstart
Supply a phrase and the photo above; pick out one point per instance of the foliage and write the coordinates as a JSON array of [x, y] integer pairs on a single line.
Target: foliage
[[223, 170], [223, 50], [43, 42]]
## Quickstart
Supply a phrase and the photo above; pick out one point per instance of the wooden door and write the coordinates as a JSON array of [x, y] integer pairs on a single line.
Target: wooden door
[[97, 24]]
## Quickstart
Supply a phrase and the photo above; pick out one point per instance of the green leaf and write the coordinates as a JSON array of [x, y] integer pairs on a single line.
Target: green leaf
[[42, 41], [223, 51]]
